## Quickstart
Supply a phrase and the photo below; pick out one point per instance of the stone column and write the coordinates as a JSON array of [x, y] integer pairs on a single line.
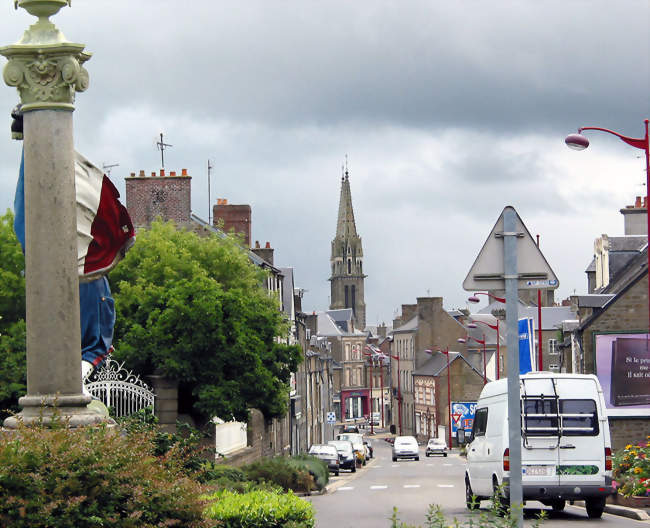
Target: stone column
[[47, 70]]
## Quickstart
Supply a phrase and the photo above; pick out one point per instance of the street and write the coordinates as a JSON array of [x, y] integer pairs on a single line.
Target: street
[[365, 499]]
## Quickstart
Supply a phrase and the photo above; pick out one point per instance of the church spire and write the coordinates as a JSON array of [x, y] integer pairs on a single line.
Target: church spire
[[345, 225], [347, 279]]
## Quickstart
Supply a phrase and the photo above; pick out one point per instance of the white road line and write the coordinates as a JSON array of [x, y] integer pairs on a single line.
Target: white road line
[[377, 467], [447, 464], [445, 485], [378, 487], [411, 485], [345, 488], [394, 465]]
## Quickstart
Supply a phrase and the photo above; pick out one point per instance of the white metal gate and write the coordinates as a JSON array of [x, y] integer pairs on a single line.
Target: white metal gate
[[119, 389]]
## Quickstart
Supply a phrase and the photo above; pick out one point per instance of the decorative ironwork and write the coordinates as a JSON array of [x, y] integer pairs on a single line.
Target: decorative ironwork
[[119, 388]]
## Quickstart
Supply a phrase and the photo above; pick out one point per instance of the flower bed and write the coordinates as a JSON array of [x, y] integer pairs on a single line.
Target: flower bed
[[632, 470]]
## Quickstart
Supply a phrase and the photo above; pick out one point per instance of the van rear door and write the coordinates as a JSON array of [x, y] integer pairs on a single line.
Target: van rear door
[[540, 437], [581, 458]]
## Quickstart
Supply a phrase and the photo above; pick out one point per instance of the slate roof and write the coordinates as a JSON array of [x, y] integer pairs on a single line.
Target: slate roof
[[594, 300], [552, 316], [410, 326], [287, 290]]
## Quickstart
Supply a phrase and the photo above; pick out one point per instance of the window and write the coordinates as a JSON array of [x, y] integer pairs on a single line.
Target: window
[[579, 417], [540, 417], [480, 422], [347, 352], [553, 350], [347, 298], [349, 266]]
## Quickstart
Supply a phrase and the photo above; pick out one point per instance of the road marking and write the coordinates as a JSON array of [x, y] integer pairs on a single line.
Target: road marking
[[447, 464], [445, 485], [378, 487], [411, 485], [377, 467], [394, 465], [346, 488]]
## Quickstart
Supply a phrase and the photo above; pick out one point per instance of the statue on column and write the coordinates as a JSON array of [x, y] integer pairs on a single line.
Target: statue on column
[[104, 234]]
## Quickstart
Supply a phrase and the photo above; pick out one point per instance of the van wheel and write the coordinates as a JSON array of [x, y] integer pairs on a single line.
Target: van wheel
[[558, 505], [471, 501], [595, 507], [354, 469]]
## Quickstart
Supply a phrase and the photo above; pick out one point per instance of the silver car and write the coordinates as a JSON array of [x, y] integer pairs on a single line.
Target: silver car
[[406, 447], [436, 446]]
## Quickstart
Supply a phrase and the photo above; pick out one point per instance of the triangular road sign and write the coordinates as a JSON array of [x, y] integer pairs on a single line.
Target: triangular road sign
[[457, 417], [487, 272]]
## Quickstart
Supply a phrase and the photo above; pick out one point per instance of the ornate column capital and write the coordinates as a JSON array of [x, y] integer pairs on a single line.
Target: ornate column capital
[[46, 69]]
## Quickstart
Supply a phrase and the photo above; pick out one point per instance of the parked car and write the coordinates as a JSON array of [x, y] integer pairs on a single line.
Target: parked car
[[347, 456], [406, 447], [436, 446], [375, 418], [327, 454], [565, 442], [357, 444], [350, 428]]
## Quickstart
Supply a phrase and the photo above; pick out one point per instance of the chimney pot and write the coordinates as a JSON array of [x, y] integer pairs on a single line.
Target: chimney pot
[[257, 244], [268, 245], [183, 172], [162, 172], [142, 172], [172, 173], [153, 174], [645, 202], [637, 203], [133, 175], [225, 201]]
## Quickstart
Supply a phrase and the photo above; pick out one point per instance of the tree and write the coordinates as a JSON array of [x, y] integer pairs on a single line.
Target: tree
[[13, 369], [194, 309]]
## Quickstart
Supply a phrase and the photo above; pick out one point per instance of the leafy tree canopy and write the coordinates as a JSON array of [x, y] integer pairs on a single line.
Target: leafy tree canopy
[[194, 309], [13, 370]]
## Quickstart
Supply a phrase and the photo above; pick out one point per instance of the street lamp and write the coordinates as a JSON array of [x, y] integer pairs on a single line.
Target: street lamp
[[475, 299], [493, 327], [580, 142], [399, 393], [480, 342], [446, 352]]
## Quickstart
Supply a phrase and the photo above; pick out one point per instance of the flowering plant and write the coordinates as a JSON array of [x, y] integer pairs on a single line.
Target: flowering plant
[[632, 470]]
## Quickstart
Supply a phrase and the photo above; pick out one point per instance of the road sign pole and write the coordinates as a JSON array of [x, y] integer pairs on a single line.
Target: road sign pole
[[514, 431]]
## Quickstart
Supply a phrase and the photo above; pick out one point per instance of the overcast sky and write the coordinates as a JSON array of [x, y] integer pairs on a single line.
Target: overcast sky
[[448, 112]]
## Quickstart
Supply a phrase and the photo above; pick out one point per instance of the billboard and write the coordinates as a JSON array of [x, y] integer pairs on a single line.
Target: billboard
[[623, 369], [462, 415]]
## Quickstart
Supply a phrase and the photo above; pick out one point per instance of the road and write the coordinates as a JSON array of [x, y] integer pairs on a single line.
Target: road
[[365, 499]]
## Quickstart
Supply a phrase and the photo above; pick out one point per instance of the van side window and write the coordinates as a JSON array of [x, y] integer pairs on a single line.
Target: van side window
[[579, 418], [480, 422], [540, 417]]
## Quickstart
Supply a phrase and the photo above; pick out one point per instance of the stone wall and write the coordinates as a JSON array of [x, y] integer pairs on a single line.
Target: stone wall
[[626, 431]]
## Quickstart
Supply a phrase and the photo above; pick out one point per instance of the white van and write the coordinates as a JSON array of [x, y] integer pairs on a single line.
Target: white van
[[565, 443]]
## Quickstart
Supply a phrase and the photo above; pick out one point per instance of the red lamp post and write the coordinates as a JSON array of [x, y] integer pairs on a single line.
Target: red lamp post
[[580, 142], [372, 360], [446, 352], [480, 342], [493, 327], [475, 299], [399, 393]]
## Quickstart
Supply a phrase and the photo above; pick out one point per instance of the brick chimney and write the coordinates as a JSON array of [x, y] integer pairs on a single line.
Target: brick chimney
[[265, 253], [235, 218], [635, 217], [167, 197], [408, 311]]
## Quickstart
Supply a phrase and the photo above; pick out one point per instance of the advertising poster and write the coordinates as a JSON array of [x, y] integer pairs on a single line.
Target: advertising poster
[[462, 415], [623, 369]]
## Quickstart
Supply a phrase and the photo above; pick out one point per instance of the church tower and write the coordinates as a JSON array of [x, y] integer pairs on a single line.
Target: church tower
[[347, 260]]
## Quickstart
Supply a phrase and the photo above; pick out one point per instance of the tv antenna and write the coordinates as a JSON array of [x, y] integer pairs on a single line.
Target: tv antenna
[[107, 168], [209, 198], [162, 146]]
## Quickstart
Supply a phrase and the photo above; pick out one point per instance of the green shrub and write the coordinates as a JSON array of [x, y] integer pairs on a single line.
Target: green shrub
[[315, 466], [260, 509], [93, 477], [279, 470]]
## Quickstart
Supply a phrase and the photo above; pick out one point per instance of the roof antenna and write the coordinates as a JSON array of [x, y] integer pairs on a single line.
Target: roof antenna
[[107, 168], [162, 146], [209, 199]]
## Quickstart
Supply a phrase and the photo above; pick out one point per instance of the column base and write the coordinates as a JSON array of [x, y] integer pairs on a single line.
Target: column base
[[70, 409]]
